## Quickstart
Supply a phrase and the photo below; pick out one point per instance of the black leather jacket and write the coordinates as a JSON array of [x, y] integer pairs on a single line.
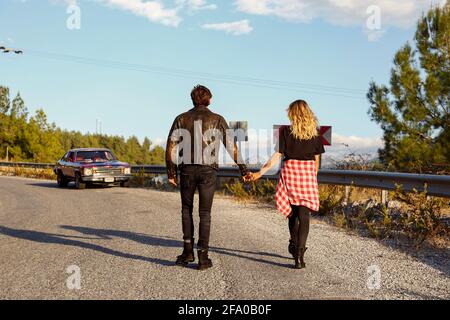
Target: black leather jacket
[[196, 122]]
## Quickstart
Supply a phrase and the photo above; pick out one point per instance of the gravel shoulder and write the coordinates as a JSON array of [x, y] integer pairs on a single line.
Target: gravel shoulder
[[125, 241]]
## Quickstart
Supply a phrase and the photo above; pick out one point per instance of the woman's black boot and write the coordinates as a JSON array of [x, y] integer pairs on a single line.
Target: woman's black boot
[[299, 258], [203, 261], [187, 255], [294, 225]]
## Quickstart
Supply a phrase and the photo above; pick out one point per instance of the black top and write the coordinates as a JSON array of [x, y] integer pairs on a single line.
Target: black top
[[295, 149], [207, 120]]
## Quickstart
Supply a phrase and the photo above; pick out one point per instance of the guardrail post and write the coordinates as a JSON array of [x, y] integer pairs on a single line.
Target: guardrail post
[[347, 194], [384, 197]]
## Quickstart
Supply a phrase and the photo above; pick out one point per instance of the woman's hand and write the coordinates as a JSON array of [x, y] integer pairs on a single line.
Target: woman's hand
[[256, 176]]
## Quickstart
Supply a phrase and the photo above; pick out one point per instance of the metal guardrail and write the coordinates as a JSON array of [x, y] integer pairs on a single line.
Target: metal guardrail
[[28, 165], [436, 185]]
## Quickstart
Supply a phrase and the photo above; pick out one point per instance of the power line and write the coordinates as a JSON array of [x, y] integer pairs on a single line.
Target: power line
[[179, 73]]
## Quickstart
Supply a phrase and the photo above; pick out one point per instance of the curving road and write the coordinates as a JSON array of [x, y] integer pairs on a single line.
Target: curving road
[[124, 242]]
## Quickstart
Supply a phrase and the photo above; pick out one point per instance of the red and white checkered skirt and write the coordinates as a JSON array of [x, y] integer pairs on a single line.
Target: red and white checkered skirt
[[297, 186]]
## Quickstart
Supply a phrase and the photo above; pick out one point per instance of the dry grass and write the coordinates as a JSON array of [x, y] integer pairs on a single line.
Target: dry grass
[[261, 191], [46, 174]]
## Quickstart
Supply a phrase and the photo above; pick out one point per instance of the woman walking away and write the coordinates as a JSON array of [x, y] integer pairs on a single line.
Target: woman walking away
[[297, 194]]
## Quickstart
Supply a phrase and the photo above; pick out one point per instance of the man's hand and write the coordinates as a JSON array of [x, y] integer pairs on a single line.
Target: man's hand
[[248, 177], [173, 182]]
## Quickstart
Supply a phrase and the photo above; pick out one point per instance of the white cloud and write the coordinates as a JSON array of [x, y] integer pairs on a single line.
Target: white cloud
[[344, 145], [196, 5], [341, 12], [154, 11], [236, 28], [356, 142]]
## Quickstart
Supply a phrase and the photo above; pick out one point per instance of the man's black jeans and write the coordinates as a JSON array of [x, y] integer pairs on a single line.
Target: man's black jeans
[[203, 178]]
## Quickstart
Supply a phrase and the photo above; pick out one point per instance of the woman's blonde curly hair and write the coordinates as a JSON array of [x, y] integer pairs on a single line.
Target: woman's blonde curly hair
[[304, 124]]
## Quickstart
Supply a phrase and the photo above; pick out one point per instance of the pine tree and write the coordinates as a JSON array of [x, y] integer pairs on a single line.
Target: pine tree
[[5, 136], [414, 111]]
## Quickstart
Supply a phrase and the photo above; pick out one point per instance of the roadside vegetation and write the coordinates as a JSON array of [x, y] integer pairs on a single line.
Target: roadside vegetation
[[45, 174]]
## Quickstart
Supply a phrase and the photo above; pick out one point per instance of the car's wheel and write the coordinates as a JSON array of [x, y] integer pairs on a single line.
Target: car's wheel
[[61, 180], [125, 184], [79, 184]]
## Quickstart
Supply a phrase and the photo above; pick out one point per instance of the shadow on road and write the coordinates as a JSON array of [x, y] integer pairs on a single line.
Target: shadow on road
[[169, 242], [65, 240], [50, 185], [71, 186], [105, 234]]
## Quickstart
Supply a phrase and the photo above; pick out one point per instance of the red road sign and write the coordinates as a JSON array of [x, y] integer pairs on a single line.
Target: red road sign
[[324, 131]]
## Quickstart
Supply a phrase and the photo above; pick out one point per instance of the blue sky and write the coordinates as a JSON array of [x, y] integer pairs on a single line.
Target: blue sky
[[321, 43]]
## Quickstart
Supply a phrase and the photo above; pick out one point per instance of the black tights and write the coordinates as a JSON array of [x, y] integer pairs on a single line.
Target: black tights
[[299, 225]]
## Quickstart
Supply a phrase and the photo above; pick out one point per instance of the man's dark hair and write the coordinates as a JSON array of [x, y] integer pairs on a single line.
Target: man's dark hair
[[201, 96]]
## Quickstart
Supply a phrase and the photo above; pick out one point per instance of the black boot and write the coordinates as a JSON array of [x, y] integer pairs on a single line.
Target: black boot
[[294, 225], [299, 258], [187, 255], [291, 247], [203, 261]]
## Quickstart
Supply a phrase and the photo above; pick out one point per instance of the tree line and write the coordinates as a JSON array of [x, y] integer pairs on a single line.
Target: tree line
[[32, 138]]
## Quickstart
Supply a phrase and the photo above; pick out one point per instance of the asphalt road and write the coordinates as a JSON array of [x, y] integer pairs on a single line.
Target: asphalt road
[[124, 242]]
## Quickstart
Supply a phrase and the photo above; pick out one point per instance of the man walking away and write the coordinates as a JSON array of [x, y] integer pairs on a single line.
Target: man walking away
[[198, 133]]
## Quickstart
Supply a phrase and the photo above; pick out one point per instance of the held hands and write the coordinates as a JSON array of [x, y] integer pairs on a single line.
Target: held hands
[[252, 177], [173, 182], [249, 177]]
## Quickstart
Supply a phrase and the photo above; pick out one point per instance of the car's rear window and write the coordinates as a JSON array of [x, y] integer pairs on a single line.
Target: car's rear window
[[95, 156]]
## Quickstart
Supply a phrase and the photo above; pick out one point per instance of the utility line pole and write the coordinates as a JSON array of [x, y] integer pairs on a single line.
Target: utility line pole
[[10, 50], [98, 126]]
